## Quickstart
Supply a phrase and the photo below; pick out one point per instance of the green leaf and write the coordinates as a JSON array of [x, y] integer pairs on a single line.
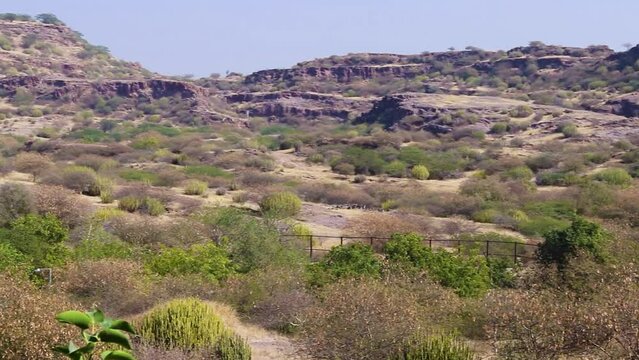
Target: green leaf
[[116, 337], [77, 318], [122, 325], [72, 347], [116, 355], [97, 315]]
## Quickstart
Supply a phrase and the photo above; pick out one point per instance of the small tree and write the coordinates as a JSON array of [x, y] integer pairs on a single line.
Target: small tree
[[96, 329], [15, 201], [31, 163], [560, 245], [49, 19]]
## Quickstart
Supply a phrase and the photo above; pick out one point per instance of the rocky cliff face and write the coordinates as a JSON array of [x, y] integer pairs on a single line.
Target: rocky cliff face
[[74, 89], [298, 104], [337, 73]]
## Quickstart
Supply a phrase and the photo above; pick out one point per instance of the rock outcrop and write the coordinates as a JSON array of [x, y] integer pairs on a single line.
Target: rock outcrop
[[298, 104]]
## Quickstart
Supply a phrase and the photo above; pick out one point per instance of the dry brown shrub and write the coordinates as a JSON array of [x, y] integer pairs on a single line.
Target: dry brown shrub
[[592, 315], [115, 286], [92, 161], [369, 319], [258, 179], [32, 163], [73, 151], [230, 160], [336, 195], [172, 201], [439, 204], [274, 298], [66, 205], [144, 351], [28, 329], [382, 225], [145, 230]]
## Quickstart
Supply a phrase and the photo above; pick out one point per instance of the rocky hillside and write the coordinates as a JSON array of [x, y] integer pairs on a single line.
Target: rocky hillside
[[59, 69]]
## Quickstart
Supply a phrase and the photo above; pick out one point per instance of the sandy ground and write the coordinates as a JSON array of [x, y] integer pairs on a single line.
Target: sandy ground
[[265, 345]]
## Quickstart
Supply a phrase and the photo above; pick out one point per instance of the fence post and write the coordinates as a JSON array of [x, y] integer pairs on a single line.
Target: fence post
[[430, 243], [515, 254], [459, 246], [487, 248], [341, 240], [372, 241], [310, 246]]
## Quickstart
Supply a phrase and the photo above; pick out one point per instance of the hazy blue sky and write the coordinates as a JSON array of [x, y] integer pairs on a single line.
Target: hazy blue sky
[[205, 36]]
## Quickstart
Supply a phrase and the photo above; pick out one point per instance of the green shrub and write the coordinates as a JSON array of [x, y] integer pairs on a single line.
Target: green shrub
[[420, 172], [281, 204], [13, 261], [5, 43], [206, 170], [614, 176], [103, 246], [190, 324], [559, 178], [469, 276], [251, 242], [195, 187], [81, 179], [129, 203], [153, 207], [407, 249], [539, 225], [396, 168], [518, 173], [207, 259], [582, 235], [521, 111], [434, 348], [345, 261], [569, 130], [487, 216], [40, 238], [499, 128], [140, 175]]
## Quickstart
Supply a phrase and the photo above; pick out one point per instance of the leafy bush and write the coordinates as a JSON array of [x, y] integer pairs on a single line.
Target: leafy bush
[[467, 275], [148, 205], [540, 225], [191, 324], [12, 261], [614, 176], [396, 168], [140, 175], [153, 207], [420, 172], [251, 243], [518, 173], [40, 238], [129, 203], [434, 348], [207, 259], [352, 260], [557, 178], [521, 111], [281, 204], [195, 187], [582, 235]]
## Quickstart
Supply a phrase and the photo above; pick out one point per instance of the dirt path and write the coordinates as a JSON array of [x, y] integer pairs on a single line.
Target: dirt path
[[265, 345]]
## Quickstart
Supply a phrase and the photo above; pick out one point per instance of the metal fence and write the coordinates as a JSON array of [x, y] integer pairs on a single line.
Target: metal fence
[[319, 245]]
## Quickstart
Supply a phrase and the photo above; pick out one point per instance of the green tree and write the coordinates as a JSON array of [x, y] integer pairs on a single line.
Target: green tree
[[561, 245], [49, 19]]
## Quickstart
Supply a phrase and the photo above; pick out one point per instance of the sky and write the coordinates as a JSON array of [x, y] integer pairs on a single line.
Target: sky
[[201, 37]]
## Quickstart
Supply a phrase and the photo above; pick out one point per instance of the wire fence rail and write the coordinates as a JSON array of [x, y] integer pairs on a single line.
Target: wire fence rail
[[319, 245]]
